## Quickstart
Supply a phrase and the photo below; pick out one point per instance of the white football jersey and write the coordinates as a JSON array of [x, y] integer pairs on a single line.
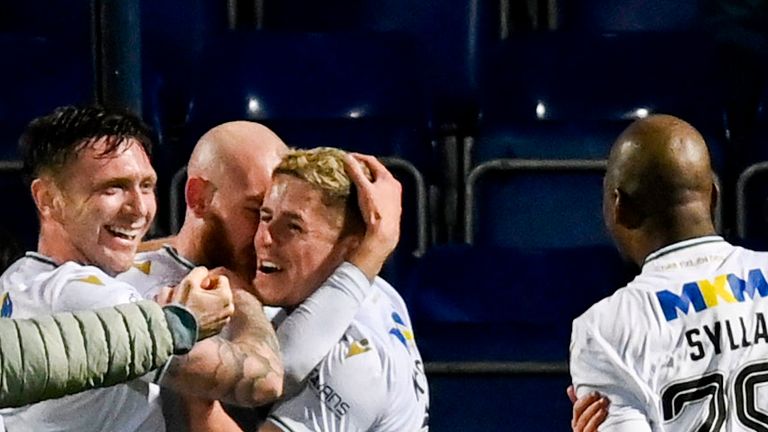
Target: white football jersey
[[156, 269], [35, 285], [371, 380], [684, 346]]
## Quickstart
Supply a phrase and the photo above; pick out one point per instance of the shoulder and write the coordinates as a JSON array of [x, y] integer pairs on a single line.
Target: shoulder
[[75, 287], [154, 269], [617, 318]]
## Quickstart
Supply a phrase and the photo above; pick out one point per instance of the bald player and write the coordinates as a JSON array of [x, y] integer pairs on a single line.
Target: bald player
[[684, 346], [229, 173]]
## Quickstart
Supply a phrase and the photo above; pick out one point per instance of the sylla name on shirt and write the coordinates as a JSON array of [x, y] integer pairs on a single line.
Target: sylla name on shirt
[[730, 334]]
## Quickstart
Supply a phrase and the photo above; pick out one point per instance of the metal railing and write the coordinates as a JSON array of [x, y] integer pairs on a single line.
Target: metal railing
[[496, 368], [554, 165], [513, 165], [741, 195]]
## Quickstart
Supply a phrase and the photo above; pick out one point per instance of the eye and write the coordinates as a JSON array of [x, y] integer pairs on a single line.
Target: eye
[[265, 217], [295, 227], [112, 190], [148, 186]]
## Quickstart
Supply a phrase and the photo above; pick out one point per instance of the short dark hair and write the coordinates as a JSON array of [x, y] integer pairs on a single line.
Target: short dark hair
[[51, 141]]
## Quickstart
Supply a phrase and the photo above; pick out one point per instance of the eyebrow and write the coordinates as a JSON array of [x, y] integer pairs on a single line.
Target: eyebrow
[[294, 216], [255, 199], [122, 181]]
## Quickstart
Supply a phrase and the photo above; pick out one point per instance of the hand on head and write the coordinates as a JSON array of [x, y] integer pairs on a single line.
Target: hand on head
[[380, 201], [207, 295]]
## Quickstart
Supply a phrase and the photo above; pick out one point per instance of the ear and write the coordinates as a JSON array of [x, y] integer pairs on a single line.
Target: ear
[[626, 210], [47, 197], [348, 244], [199, 194]]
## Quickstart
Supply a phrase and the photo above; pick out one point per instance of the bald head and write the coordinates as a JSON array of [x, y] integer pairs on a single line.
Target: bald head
[[659, 181], [236, 149], [228, 175]]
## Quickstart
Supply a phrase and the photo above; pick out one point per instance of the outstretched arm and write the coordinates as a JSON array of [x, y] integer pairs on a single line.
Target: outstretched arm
[[50, 344]]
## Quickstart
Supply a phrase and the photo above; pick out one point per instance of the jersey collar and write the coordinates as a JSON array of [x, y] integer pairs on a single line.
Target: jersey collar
[[177, 257], [41, 258], [685, 244]]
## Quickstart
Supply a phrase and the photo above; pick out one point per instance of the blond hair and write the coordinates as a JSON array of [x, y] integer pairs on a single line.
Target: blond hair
[[323, 167]]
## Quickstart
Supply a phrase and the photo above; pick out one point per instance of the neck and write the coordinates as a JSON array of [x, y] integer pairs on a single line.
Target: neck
[[189, 242], [53, 244], [661, 234]]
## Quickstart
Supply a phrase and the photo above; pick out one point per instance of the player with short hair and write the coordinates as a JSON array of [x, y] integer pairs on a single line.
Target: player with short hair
[[94, 188], [373, 377], [228, 175], [682, 347]]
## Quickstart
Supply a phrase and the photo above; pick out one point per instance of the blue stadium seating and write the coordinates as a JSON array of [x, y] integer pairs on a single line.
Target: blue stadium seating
[[525, 205], [499, 403], [563, 96], [601, 16], [505, 304], [566, 82], [452, 35], [361, 92], [752, 207], [173, 37]]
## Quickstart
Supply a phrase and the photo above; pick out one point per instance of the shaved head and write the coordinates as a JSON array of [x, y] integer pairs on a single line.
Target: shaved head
[[659, 185], [235, 150], [228, 175]]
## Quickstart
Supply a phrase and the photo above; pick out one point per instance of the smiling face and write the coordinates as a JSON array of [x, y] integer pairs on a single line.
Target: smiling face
[[234, 216], [299, 241], [101, 206]]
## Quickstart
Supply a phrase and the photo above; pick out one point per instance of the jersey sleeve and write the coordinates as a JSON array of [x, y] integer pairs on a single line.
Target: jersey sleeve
[[346, 392], [597, 367], [309, 332], [84, 288]]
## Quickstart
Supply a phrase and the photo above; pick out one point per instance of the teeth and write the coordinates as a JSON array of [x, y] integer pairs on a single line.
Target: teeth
[[269, 267], [129, 233]]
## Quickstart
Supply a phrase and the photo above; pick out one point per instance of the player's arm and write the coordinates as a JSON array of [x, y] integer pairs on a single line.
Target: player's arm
[[45, 357], [313, 328], [597, 368], [242, 369], [589, 411], [353, 397]]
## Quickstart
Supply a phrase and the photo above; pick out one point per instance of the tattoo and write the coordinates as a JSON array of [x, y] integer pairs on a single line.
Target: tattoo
[[244, 369]]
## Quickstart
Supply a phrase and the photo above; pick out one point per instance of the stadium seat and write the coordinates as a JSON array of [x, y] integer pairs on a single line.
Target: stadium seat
[[452, 35], [536, 204], [593, 85], [173, 38], [505, 304], [558, 97], [359, 92], [752, 206], [480, 403]]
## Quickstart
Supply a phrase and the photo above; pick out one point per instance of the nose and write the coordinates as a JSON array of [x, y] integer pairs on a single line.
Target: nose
[[138, 202], [263, 237]]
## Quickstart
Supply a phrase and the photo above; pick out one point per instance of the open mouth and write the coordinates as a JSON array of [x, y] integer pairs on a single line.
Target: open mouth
[[268, 267], [124, 233]]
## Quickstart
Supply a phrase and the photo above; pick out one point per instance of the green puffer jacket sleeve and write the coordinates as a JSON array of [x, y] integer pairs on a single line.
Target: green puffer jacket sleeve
[[52, 356]]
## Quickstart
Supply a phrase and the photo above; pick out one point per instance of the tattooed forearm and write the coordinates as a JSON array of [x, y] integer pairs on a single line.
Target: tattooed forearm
[[244, 369]]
